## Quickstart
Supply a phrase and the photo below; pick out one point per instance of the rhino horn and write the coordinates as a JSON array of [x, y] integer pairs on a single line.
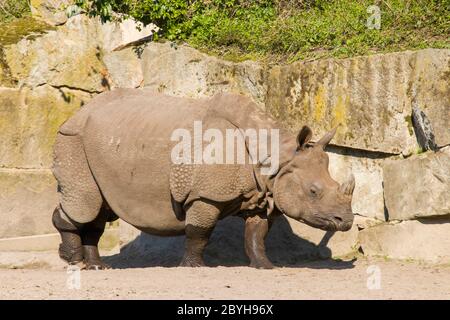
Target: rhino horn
[[325, 140], [348, 186]]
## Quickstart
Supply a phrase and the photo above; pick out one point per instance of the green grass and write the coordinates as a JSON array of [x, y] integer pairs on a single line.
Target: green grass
[[280, 30], [332, 29], [288, 30]]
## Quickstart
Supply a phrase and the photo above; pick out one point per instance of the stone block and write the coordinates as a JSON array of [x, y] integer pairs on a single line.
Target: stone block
[[418, 186]]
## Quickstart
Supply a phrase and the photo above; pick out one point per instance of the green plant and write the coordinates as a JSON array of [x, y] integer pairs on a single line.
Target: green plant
[[11, 9], [286, 29]]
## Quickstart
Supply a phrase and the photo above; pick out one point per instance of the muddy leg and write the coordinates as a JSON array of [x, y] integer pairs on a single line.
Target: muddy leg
[[256, 229], [90, 236], [201, 218], [70, 248]]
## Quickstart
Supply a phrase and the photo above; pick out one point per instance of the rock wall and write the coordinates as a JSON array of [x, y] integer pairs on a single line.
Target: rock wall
[[370, 97], [399, 193]]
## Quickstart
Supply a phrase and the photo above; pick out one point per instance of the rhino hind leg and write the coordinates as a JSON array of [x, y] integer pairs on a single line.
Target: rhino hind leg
[[70, 249], [201, 218], [90, 236], [79, 195], [82, 213], [79, 242]]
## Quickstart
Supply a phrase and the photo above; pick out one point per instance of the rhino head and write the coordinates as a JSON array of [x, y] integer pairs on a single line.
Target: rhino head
[[304, 190]]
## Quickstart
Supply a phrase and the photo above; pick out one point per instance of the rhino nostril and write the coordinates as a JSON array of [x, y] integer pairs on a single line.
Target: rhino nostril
[[338, 218]]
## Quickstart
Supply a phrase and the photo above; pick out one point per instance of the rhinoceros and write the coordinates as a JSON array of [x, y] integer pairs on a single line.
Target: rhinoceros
[[114, 158]]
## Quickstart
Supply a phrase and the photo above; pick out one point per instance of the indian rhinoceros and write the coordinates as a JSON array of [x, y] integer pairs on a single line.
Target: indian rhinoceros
[[114, 158]]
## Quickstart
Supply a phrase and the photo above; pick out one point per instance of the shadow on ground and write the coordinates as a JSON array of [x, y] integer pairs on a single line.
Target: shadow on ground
[[226, 248]]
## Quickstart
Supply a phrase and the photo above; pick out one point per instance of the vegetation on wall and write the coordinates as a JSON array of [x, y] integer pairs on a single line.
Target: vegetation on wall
[[288, 29], [15, 22], [13, 9], [282, 30]]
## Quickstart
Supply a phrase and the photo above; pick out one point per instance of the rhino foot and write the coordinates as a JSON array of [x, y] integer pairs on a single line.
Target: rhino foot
[[92, 259], [191, 262], [70, 249], [264, 264], [84, 265], [97, 266]]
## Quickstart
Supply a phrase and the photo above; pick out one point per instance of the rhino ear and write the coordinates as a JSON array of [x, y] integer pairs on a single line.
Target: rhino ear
[[303, 137], [325, 140]]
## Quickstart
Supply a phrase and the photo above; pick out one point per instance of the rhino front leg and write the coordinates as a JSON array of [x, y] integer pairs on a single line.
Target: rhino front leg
[[201, 218], [256, 229]]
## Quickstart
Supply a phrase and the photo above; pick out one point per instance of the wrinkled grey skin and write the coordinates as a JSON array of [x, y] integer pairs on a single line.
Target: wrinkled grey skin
[[112, 159]]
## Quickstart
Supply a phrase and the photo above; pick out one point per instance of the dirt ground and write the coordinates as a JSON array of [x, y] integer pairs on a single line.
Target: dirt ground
[[311, 280]]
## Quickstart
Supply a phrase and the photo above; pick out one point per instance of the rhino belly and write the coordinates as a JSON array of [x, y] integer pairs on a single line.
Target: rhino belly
[[128, 149]]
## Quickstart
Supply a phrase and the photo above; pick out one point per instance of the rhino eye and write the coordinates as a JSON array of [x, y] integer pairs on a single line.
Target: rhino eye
[[314, 191]]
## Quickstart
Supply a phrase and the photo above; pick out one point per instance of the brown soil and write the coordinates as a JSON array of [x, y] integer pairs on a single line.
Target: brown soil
[[312, 280]]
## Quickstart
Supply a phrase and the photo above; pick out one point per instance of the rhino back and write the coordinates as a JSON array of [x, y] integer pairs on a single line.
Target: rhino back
[[128, 147]]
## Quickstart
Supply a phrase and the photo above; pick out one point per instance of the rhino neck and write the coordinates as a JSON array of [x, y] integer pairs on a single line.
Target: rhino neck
[[288, 147], [263, 195]]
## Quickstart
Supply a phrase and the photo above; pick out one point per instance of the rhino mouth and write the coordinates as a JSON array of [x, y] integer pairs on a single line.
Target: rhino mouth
[[329, 224], [319, 223], [336, 225]]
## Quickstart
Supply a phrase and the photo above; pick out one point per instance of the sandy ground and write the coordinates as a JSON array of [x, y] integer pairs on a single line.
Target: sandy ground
[[312, 280]]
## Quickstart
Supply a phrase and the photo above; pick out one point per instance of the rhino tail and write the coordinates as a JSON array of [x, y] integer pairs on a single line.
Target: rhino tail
[[75, 124]]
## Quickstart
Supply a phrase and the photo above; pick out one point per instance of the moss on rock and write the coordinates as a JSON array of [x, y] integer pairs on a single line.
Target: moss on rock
[[14, 31], [30, 119]]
